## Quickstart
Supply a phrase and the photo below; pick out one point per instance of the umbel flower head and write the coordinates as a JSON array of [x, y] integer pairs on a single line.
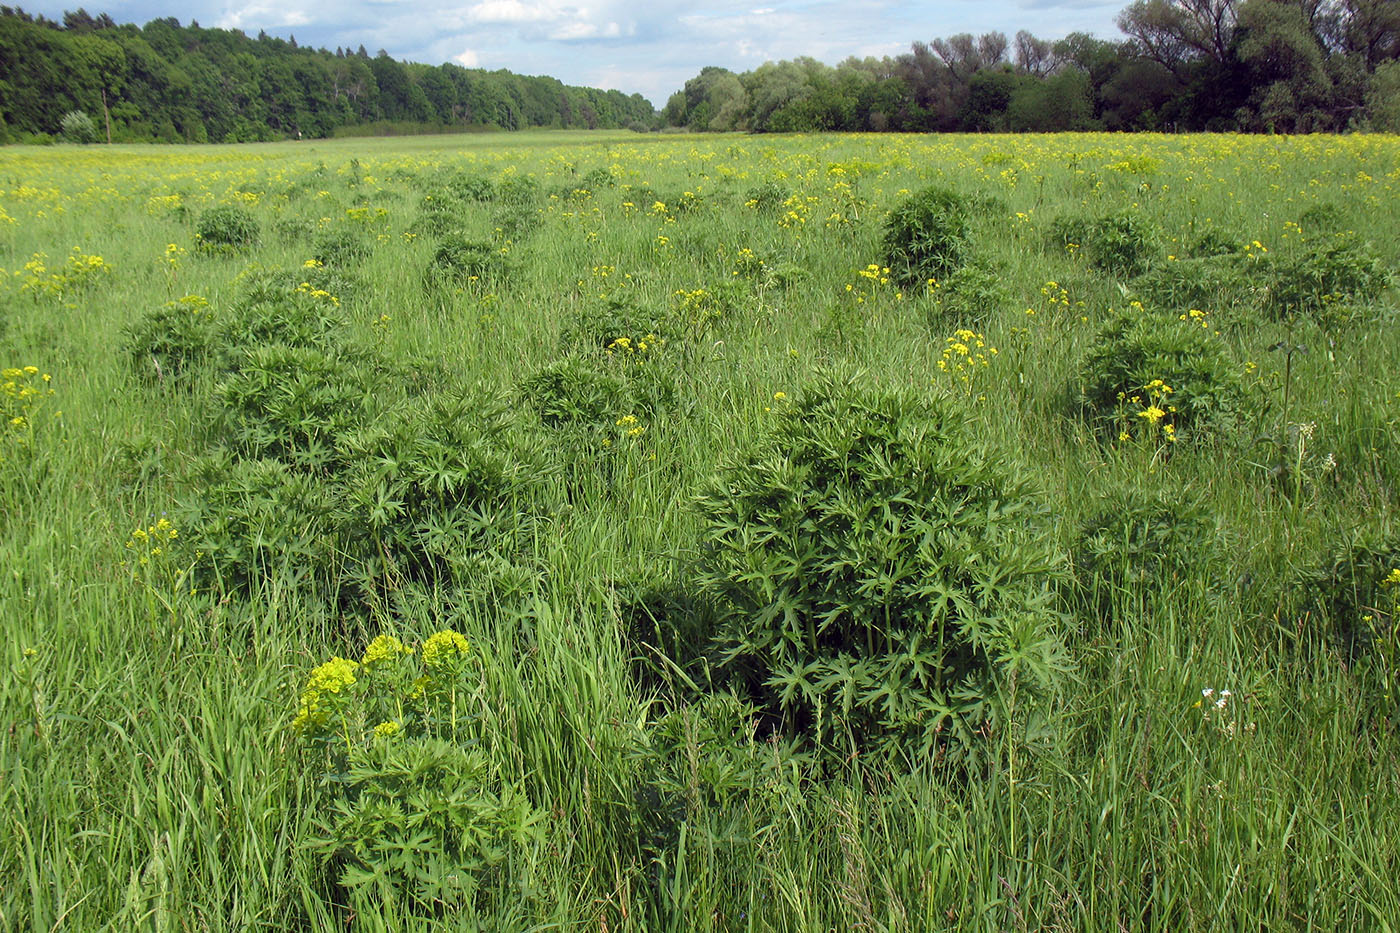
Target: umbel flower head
[[326, 682], [384, 648], [444, 650]]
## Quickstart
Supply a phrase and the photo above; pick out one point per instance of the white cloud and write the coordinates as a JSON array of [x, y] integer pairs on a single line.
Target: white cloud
[[511, 11], [467, 58], [260, 15]]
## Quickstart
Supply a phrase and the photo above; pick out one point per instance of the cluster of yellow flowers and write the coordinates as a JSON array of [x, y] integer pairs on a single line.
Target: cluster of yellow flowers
[[965, 354], [78, 271], [22, 392], [342, 696], [150, 542], [1154, 407]]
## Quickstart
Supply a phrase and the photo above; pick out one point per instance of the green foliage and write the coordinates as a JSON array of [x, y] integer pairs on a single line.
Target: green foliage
[[572, 392], [226, 228], [886, 579], [1332, 273], [972, 294], [1119, 243], [927, 236], [1346, 589], [413, 820], [466, 262], [342, 248], [1141, 542], [1137, 348], [172, 342], [77, 127]]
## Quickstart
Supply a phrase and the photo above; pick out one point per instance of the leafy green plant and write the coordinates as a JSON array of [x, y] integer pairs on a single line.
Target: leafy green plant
[[414, 819], [1347, 588], [1158, 370], [462, 261], [572, 392], [226, 228], [173, 342], [1140, 542], [886, 580], [1119, 243], [927, 236], [1333, 272], [342, 247]]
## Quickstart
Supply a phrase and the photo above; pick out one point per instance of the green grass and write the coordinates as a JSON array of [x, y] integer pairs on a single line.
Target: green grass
[[150, 776]]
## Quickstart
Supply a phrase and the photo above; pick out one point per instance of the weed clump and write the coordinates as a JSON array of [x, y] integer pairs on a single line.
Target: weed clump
[[1331, 274], [227, 228], [885, 580], [1120, 243], [462, 261], [1158, 373], [927, 236], [171, 343], [1141, 542], [1351, 589]]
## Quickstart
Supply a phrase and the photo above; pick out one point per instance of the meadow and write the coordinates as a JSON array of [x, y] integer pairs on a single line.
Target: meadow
[[619, 532]]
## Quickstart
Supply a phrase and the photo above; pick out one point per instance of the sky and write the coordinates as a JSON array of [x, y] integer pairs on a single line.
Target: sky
[[635, 46]]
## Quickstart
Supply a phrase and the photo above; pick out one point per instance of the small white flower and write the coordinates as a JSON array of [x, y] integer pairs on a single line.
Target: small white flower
[[1208, 692]]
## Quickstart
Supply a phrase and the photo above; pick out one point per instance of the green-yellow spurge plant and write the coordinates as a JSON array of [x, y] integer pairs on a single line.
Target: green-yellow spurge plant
[[415, 815]]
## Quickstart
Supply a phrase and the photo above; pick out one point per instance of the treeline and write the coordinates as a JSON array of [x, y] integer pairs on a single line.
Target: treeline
[[89, 77], [1253, 66]]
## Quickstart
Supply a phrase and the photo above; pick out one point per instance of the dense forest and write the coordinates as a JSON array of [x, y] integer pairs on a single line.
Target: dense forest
[[88, 78], [1246, 65], [1252, 66]]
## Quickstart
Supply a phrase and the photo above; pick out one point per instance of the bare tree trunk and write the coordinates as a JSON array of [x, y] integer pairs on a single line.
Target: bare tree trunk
[[106, 115]]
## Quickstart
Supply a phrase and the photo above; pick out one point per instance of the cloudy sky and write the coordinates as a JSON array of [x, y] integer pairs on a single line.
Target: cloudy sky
[[636, 46]]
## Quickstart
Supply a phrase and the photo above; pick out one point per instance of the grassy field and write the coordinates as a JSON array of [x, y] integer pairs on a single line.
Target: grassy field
[[269, 406]]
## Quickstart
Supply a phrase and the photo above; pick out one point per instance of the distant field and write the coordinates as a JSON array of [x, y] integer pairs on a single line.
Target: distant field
[[656, 532]]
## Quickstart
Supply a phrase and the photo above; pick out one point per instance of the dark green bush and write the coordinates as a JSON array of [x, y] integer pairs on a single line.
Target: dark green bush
[[342, 248], [438, 486], [471, 188], [927, 236], [1335, 271], [884, 578], [227, 228], [171, 343], [572, 392], [1134, 350], [766, 197], [462, 261], [1347, 585], [1119, 243], [1138, 542], [972, 294]]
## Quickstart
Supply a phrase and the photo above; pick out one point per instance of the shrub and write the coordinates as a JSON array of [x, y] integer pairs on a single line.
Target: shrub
[[766, 197], [227, 228], [1139, 541], [342, 248], [1347, 589], [1333, 271], [884, 578], [1157, 369], [436, 487], [173, 341], [292, 404], [1117, 243], [77, 127], [972, 294], [461, 261], [570, 392], [926, 236]]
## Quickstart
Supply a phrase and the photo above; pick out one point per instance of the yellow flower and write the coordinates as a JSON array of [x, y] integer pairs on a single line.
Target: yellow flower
[[443, 649], [387, 729], [384, 648]]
